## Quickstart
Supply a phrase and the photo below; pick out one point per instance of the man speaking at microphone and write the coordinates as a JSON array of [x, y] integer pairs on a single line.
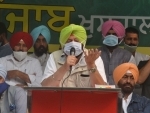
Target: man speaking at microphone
[[74, 66]]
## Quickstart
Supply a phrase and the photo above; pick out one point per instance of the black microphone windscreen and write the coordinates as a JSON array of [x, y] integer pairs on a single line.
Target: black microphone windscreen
[[72, 51]]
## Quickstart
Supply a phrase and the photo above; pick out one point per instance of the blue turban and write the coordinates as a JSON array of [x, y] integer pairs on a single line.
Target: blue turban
[[43, 30], [3, 71]]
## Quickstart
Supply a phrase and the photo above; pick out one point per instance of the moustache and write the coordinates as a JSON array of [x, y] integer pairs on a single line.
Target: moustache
[[132, 45], [127, 84], [41, 47]]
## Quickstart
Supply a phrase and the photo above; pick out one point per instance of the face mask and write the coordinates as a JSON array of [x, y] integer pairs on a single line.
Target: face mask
[[110, 40], [130, 48], [19, 55], [76, 45]]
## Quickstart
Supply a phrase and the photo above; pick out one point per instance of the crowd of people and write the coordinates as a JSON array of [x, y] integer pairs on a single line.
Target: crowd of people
[[73, 65]]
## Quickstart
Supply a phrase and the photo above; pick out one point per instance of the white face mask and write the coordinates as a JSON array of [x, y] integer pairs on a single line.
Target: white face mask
[[19, 55], [76, 45]]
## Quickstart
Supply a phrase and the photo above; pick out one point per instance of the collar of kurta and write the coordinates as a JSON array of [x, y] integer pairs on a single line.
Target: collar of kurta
[[42, 58], [129, 97], [11, 58]]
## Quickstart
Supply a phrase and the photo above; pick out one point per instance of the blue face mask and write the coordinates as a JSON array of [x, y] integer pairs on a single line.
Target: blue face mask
[[110, 40]]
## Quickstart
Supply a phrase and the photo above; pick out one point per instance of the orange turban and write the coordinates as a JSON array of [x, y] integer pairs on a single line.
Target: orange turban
[[122, 69], [26, 37]]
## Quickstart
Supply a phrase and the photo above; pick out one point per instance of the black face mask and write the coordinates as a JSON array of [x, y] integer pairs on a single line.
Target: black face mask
[[41, 50]]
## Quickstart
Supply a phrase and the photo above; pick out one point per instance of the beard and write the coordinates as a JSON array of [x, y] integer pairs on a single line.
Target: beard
[[40, 50], [126, 88]]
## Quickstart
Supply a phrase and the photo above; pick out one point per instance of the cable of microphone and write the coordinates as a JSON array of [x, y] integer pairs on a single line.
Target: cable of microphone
[[72, 52]]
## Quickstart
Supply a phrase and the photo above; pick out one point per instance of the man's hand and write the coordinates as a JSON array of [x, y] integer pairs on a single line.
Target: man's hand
[[71, 61], [90, 56], [12, 74], [16, 73], [21, 85]]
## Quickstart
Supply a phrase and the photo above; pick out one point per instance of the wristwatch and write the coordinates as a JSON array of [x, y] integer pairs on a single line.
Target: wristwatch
[[92, 70]]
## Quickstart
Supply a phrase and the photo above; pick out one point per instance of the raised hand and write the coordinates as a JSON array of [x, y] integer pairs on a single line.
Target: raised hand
[[90, 56]]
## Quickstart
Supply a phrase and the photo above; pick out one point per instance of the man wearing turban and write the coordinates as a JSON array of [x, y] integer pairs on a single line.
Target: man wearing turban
[[125, 77], [21, 69], [113, 32], [13, 99], [41, 38], [5, 48], [74, 66]]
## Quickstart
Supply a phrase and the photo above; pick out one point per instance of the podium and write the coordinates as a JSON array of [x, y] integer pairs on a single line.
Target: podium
[[73, 100]]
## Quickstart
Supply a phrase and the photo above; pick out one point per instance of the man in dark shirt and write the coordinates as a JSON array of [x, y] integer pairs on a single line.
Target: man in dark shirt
[[125, 76], [144, 78], [5, 48]]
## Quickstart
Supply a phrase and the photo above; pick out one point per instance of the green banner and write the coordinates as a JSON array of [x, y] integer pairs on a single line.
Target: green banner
[[24, 15]]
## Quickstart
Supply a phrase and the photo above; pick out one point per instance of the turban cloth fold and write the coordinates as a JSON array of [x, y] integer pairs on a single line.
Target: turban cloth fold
[[75, 30], [3, 72], [122, 69], [114, 25], [43, 30], [16, 37]]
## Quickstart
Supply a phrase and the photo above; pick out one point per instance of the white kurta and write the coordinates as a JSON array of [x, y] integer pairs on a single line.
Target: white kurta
[[51, 68], [42, 59], [29, 65], [140, 57]]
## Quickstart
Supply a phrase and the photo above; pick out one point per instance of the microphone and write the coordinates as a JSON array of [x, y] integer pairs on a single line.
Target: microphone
[[72, 52]]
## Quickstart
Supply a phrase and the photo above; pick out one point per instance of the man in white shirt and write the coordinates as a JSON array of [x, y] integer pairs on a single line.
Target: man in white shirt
[[41, 39], [13, 99], [21, 69], [74, 66], [125, 77], [131, 41]]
